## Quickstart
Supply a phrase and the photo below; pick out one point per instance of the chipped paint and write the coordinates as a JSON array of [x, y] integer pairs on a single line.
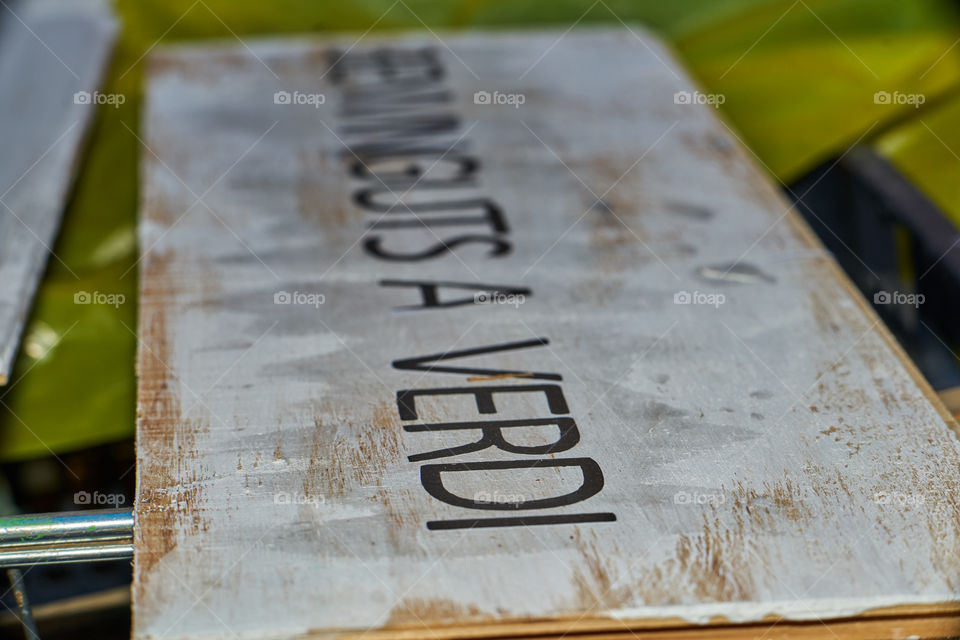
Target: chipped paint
[[737, 442]]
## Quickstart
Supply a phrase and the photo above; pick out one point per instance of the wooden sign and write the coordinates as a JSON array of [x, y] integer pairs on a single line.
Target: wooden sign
[[52, 56], [506, 335]]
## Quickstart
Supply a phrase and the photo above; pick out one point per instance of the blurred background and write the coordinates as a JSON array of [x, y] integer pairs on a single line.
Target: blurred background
[[851, 106]]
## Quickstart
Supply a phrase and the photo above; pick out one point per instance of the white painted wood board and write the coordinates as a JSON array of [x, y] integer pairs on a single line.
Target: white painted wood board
[[770, 453], [49, 51]]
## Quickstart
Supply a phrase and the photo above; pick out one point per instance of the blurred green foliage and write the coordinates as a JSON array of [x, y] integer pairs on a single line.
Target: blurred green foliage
[[798, 77], [926, 149]]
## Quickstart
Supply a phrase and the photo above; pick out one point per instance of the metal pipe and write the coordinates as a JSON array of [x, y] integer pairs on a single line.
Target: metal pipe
[[62, 542], [65, 553], [24, 613], [52, 527], [77, 536]]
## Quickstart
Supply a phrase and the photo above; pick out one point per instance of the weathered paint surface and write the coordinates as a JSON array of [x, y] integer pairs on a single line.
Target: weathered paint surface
[[49, 51], [770, 452]]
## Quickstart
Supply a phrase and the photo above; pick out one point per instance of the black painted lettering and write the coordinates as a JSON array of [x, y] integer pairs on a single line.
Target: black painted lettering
[[374, 246], [519, 521], [431, 477], [414, 166], [424, 363], [429, 290], [492, 436], [483, 396]]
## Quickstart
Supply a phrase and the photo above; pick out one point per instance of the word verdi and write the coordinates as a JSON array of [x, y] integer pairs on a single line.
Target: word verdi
[[401, 133]]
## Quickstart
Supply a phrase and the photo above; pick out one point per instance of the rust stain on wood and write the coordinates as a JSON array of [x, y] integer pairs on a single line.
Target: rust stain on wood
[[338, 463], [420, 612], [404, 520], [597, 579], [502, 376], [169, 496]]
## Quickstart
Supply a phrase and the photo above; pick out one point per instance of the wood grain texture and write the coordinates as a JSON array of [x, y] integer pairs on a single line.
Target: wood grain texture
[[951, 400], [766, 449], [49, 51]]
